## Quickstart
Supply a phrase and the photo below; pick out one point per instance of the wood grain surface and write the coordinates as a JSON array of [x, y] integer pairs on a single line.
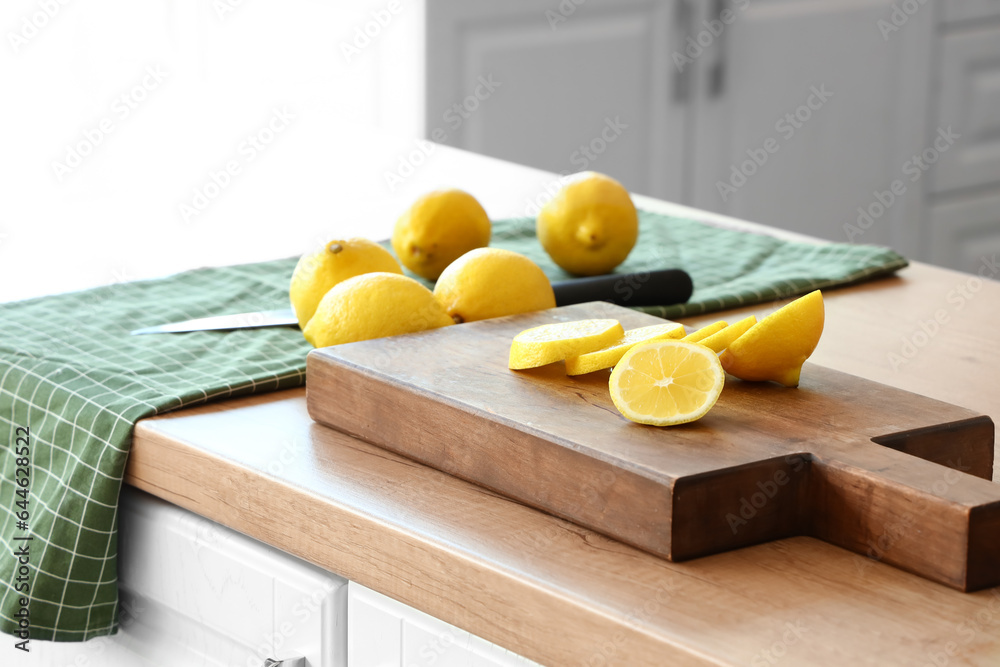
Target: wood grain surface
[[564, 595]]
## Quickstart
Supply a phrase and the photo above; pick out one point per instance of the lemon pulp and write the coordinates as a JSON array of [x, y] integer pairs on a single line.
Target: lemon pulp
[[666, 382]]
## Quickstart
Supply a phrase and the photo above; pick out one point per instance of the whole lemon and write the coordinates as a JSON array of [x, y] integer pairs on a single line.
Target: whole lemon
[[776, 347], [491, 282], [590, 226], [334, 263], [437, 229], [374, 305]]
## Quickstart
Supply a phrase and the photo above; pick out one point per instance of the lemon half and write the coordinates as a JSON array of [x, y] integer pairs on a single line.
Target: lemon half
[[776, 347], [666, 382]]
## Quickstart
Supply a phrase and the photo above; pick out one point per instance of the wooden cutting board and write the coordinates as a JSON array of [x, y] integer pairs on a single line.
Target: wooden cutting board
[[892, 475]]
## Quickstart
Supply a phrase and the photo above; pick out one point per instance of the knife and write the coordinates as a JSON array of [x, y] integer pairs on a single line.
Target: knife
[[645, 288]]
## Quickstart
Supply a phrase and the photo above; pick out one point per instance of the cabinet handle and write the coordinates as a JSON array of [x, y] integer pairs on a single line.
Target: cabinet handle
[[297, 661], [717, 73], [683, 16]]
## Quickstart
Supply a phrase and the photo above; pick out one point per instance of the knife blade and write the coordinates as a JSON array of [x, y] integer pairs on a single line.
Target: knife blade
[[280, 317], [646, 288]]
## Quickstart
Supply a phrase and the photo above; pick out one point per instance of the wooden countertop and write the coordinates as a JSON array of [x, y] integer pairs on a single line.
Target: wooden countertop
[[563, 595]]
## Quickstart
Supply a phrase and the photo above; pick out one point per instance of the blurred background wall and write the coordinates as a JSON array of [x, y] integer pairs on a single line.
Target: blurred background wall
[[865, 121]]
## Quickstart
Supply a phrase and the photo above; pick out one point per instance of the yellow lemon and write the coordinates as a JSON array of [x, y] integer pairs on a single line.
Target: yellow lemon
[[590, 226], [554, 342], [374, 305], [337, 261], [705, 332], [666, 382], [611, 355], [721, 339], [490, 282], [776, 347], [439, 228]]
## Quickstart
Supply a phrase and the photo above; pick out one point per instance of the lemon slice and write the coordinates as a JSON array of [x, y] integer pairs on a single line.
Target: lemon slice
[[704, 332], [611, 355], [721, 339], [666, 382], [554, 342]]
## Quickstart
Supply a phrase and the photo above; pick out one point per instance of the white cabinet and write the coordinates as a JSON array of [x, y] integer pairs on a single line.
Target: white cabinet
[[217, 597], [197, 594], [386, 633], [574, 85]]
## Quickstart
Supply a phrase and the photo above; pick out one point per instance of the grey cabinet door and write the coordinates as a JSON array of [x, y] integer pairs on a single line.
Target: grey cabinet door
[[564, 86], [965, 234], [806, 114], [969, 101]]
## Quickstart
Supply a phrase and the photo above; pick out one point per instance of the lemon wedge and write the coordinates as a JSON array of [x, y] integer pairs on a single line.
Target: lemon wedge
[[609, 356], [704, 332], [721, 339], [554, 342], [776, 347], [666, 382]]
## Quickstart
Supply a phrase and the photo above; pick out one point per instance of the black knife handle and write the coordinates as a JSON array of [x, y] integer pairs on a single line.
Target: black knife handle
[[645, 288]]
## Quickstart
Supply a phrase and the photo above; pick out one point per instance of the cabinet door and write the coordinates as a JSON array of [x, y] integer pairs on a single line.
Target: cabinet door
[[197, 594], [564, 86], [216, 597], [965, 234], [957, 11], [970, 102], [808, 110], [387, 633]]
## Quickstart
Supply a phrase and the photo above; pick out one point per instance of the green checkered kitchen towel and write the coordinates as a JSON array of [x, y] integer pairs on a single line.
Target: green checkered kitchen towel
[[76, 381]]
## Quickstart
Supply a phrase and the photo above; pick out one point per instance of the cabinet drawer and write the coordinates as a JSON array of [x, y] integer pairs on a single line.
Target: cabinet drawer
[[196, 593], [386, 633], [965, 234], [969, 102], [956, 11]]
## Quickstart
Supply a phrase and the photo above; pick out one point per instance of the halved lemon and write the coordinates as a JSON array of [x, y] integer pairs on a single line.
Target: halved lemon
[[704, 332], [666, 382], [776, 347], [611, 355], [554, 342]]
